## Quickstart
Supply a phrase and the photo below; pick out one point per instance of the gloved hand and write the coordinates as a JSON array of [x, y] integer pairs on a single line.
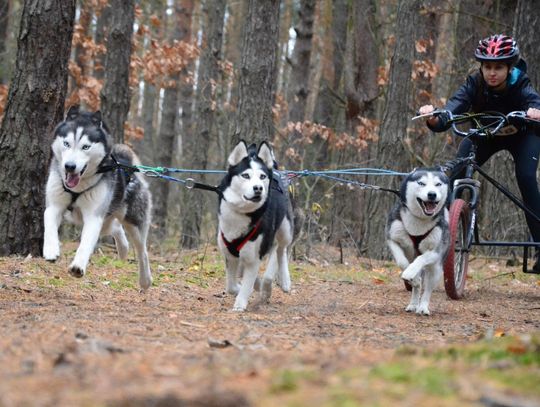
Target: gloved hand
[[444, 118]]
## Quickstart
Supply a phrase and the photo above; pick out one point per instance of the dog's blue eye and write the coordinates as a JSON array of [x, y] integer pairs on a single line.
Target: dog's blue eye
[[246, 176], [263, 176], [438, 184], [421, 184], [86, 147], [66, 144]]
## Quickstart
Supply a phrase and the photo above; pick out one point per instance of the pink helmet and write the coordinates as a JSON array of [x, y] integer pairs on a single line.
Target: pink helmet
[[497, 47]]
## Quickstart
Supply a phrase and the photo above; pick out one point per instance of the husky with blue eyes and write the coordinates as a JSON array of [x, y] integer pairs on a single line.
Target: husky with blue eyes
[[86, 185], [255, 221], [417, 233]]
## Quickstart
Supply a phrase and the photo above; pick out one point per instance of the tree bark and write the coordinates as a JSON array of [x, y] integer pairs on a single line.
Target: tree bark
[[300, 61], [397, 111], [4, 20], [526, 22], [361, 61], [35, 106], [327, 104], [205, 108], [257, 78], [115, 94], [166, 139], [100, 38]]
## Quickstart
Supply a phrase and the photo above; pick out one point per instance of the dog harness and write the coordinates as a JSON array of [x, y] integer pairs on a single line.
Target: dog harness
[[417, 239], [102, 168], [236, 245]]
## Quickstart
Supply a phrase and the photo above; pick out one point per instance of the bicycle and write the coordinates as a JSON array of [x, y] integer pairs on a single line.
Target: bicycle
[[466, 191]]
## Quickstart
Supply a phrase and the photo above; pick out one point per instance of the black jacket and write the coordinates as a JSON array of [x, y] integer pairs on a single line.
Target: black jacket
[[475, 96]]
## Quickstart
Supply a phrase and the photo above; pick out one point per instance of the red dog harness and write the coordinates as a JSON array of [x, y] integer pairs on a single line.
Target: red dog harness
[[236, 245]]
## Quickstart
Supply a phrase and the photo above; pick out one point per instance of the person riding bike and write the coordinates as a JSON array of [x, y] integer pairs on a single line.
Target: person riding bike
[[501, 85]]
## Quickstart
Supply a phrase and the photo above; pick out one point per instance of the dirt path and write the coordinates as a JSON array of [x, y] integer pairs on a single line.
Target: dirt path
[[98, 341]]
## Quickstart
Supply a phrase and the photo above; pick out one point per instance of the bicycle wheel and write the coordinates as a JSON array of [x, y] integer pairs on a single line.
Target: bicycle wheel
[[457, 260]]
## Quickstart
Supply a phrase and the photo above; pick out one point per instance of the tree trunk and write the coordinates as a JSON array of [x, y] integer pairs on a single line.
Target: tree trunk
[[526, 22], [35, 106], [300, 61], [361, 90], [361, 62], [115, 95], [327, 103], [257, 81], [4, 20], [186, 84], [205, 108], [100, 38], [85, 19], [166, 139], [397, 111]]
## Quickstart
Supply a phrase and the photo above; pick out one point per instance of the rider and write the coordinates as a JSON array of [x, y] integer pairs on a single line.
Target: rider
[[500, 85]]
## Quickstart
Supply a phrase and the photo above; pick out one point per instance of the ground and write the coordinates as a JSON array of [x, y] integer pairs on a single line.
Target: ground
[[341, 338]]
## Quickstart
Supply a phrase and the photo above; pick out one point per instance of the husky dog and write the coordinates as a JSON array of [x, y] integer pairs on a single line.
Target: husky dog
[[255, 219], [87, 185], [417, 233]]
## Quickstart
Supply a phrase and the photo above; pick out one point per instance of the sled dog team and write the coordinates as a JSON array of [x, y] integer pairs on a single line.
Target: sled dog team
[[255, 214]]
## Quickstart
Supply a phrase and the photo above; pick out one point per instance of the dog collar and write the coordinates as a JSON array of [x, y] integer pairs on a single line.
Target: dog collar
[[236, 245]]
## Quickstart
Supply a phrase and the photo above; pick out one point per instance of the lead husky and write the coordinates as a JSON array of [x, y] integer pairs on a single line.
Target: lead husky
[[87, 186], [255, 219], [417, 233]]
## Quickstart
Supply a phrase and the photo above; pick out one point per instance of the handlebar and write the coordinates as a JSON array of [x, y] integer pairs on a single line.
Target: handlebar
[[484, 124]]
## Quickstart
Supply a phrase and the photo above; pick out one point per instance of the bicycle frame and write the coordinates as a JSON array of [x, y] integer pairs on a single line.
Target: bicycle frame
[[472, 186]]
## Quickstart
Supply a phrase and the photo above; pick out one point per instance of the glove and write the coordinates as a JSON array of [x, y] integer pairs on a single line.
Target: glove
[[444, 118]]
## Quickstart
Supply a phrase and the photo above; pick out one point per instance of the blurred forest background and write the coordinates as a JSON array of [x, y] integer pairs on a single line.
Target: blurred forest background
[[331, 83]]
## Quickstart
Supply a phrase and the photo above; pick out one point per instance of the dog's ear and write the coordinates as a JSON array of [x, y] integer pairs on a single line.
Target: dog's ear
[[238, 154], [403, 189], [72, 112], [97, 119], [266, 154]]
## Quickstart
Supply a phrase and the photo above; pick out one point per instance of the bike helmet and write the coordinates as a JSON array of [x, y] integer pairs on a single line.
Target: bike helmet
[[498, 47]]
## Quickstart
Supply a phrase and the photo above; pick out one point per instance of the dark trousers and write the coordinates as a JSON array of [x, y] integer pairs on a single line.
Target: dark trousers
[[525, 150]]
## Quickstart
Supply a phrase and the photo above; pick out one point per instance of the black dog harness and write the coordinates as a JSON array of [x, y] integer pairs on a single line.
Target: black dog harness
[[102, 168]]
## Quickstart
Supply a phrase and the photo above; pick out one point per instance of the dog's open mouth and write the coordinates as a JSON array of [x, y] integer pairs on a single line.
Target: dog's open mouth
[[429, 207], [255, 198], [73, 179]]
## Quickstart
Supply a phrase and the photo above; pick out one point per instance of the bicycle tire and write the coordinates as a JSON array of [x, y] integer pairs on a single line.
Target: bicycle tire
[[457, 260]]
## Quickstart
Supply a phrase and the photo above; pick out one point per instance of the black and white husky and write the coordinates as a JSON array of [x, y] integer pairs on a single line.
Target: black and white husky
[[417, 233], [86, 186], [255, 219]]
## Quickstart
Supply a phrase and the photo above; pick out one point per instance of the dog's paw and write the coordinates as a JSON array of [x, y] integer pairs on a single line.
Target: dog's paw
[[51, 252], [422, 309], [122, 250], [145, 282], [266, 290], [76, 271], [239, 305], [409, 274], [257, 284], [284, 283], [411, 308]]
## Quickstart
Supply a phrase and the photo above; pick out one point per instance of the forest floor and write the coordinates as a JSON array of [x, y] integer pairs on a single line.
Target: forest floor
[[341, 338]]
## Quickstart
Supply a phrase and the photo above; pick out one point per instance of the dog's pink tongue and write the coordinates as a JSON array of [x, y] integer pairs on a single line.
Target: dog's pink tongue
[[72, 180], [430, 206]]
